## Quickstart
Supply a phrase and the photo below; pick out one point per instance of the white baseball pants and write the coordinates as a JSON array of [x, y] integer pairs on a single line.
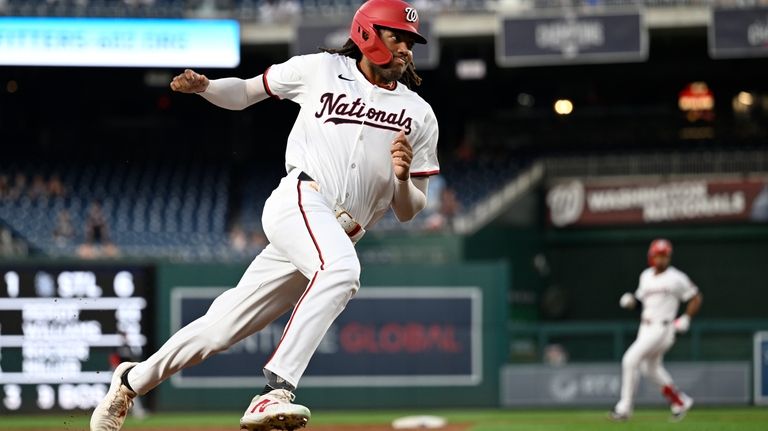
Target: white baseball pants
[[645, 356], [310, 265]]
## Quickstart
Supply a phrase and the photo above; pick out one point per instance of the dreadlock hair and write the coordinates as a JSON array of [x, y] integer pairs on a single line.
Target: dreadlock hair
[[409, 78]]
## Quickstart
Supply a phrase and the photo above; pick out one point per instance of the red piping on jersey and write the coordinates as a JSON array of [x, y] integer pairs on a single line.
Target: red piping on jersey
[[309, 229], [288, 325], [425, 173], [266, 84], [314, 277]]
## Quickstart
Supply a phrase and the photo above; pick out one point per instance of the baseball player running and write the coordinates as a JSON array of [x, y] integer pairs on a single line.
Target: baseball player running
[[661, 290], [363, 142]]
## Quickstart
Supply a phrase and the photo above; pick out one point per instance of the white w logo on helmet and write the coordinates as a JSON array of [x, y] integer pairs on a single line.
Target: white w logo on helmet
[[411, 15]]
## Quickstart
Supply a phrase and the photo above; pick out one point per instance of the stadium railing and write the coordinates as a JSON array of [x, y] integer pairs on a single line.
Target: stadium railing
[[708, 339], [659, 163]]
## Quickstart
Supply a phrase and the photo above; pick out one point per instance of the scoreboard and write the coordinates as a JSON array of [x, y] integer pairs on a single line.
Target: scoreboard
[[58, 325]]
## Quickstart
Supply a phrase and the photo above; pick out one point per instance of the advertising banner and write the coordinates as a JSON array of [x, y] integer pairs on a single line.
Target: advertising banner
[[761, 368], [580, 203], [738, 33], [567, 37], [396, 336], [119, 42], [591, 384]]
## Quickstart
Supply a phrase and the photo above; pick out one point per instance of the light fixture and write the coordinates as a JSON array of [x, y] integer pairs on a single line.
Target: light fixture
[[563, 107]]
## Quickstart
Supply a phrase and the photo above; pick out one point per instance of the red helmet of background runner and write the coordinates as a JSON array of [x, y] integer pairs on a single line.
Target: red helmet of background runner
[[659, 246], [394, 14]]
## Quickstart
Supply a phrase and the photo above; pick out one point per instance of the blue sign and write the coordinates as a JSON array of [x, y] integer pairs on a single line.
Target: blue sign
[[426, 336], [738, 32], [761, 368], [569, 37], [119, 42]]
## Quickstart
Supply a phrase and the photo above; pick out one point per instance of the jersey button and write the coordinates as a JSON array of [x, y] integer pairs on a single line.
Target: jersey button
[[353, 166]]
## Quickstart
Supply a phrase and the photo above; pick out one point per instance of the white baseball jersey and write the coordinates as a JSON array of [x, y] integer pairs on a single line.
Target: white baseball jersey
[[344, 130], [662, 293], [342, 139]]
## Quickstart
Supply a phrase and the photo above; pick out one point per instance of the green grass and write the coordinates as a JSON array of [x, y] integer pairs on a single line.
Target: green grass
[[701, 419]]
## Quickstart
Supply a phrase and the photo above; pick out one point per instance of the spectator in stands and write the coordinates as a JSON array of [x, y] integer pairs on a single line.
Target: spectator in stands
[[96, 229], [247, 242], [5, 188], [6, 242], [19, 187], [38, 188], [465, 152], [138, 3], [450, 207], [56, 187], [63, 232], [10, 246], [97, 241], [278, 10], [238, 240]]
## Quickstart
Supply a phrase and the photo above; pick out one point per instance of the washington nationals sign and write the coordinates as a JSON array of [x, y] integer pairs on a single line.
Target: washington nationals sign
[[620, 202]]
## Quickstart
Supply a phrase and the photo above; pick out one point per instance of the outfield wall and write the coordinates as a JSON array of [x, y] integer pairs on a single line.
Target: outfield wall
[[599, 384], [435, 332]]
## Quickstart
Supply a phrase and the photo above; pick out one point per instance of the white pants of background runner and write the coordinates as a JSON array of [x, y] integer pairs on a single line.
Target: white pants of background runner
[[310, 265], [645, 356]]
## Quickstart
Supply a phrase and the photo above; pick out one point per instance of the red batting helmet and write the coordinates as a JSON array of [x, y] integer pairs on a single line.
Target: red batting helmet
[[659, 246], [394, 14]]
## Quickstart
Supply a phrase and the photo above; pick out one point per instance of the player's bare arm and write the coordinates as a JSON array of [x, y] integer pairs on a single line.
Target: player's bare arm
[[410, 195]]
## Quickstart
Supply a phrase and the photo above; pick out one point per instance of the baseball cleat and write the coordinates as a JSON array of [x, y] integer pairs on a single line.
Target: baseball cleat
[[110, 414], [618, 417], [679, 411], [274, 410]]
